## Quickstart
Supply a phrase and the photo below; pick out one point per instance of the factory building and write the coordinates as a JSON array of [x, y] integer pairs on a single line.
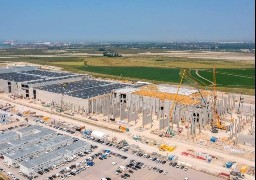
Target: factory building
[[163, 105], [65, 91], [21, 81], [78, 96], [156, 104]]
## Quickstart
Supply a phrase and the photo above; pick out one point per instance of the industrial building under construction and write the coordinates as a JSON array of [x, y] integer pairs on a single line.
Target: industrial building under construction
[[164, 108]]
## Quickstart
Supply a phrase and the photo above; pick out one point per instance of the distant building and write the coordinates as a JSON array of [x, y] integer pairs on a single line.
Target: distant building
[[111, 54], [101, 49]]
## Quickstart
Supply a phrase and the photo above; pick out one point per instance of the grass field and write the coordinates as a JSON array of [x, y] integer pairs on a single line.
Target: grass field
[[148, 73], [231, 76], [243, 78], [166, 62]]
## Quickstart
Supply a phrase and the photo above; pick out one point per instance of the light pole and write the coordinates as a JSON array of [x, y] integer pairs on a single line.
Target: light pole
[[61, 101]]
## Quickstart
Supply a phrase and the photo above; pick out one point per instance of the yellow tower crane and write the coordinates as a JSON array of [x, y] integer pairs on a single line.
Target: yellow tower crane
[[169, 131], [216, 121]]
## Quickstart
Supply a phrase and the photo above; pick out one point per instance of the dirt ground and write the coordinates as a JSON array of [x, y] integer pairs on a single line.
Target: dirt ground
[[181, 144], [207, 55]]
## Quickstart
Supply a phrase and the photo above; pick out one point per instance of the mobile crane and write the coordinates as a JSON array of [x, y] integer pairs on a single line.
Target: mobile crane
[[169, 131], [216, 120]]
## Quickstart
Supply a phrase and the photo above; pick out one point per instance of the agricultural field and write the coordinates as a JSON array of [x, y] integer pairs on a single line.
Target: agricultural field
[[165, 62], [145, 73], [236, 76]]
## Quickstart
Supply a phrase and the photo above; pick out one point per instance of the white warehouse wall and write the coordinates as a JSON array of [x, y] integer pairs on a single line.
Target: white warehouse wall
[[4, 86]]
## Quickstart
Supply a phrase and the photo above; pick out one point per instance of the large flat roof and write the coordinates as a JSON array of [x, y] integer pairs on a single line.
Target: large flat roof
[[84, 89], [45, 81], [34, 75], [44, 73], [30, 128], [126, 90], [173, 90], [31, 138], [7, 135], [5, 146], [18, 77], [37, 147], [54, 154]]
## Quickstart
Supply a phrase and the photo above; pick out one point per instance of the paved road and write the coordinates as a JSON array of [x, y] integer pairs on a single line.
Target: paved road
[[148, 148], [203, 77]]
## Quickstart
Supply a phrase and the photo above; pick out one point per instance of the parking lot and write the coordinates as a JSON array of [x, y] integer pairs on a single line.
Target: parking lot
[[155, 165], [110, 167]]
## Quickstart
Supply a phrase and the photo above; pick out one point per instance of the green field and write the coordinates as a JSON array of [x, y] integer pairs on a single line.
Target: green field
[[231, 76], [146, 73], [237, 78]]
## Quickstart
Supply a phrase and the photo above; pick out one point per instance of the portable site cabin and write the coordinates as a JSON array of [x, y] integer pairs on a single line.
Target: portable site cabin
[[98, 135]]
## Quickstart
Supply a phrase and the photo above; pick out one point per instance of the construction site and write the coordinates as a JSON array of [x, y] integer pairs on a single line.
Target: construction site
[[174, 119]]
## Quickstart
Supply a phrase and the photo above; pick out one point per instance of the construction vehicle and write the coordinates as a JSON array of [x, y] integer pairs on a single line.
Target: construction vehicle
[[45, 118], [216, 120], [214, 130], [80, 128], [217, 123], [26, 112], [59, 109], [124, 129], [169, 130], [165, 147]]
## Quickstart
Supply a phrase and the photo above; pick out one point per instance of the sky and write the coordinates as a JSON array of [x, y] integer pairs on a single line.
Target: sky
[[127, 20]]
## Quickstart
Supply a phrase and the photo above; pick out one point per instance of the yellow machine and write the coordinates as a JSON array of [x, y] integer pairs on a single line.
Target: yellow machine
[[216, 120], [26, 112], [165, 147], [169, 130], [218, 123], [243, 169], [45, 118], [124, 129]]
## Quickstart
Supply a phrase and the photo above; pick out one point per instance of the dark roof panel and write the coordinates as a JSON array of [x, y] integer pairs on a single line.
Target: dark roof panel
[[84, 89]]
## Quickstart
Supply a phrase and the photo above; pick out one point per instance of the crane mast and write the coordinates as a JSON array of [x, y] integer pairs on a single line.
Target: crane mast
[[216, 121], [174, 102], [214, 90]]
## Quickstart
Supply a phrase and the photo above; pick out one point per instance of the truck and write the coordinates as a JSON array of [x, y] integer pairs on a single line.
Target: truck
[[173, 158], [229, 165], [80, 128], [90, 163], [87, 132]]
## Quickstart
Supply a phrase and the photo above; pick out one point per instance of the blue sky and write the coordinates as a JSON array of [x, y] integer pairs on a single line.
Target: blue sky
[[127, 20]]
